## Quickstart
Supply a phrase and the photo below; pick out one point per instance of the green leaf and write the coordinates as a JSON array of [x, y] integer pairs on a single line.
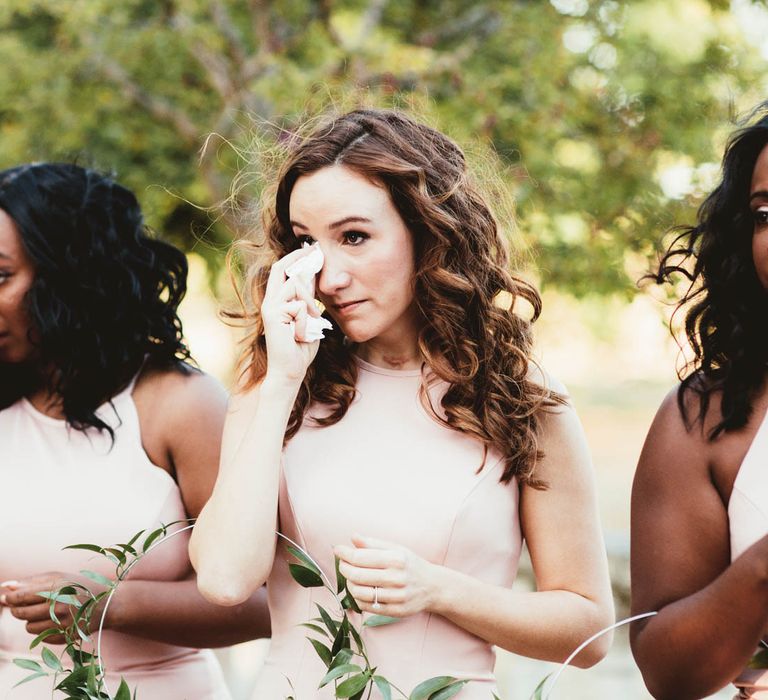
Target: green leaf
[[449, 691], [384, 688], [151, 537], [51, 660], [538, 694], [341, 640], [344, 656], [133, 539], [349, 603], [328, 621], [305, 577], [356, 636], [424, 689], [380, 620], [89, 547], [305, 559], [123, 691], [316, 628], [322, 651], [43, 635], [30, 665], [31, 677], [97, 578], [352, 685], [341, 582], [338, 671], [119, 554]]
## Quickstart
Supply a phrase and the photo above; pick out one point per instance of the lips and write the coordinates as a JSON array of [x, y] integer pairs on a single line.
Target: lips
[[348, 306]]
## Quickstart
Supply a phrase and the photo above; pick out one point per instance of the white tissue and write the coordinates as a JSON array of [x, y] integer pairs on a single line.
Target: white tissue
[[304, 271]]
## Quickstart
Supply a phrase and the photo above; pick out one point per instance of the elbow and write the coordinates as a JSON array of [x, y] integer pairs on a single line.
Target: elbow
[[594, 652], [225, 591], [219, 583], [601, 620]]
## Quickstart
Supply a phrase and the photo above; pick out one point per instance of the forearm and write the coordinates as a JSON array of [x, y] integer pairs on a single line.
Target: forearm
[[175, 612], [545, 625], [233, 542], [698, 644]]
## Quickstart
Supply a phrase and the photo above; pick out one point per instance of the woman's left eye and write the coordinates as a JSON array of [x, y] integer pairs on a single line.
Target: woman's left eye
[[761, 216], [355, 237]]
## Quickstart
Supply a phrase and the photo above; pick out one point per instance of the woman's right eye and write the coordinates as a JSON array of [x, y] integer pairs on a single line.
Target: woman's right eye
[[304, 239]]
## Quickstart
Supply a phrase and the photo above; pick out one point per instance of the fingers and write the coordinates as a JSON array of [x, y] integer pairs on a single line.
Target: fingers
[[277, 272], [373, 577], [293, 289], [371, 558], [34, 613], [25, 596]]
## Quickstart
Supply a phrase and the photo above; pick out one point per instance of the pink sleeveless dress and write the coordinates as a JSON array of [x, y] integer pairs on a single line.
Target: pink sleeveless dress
[[748, 522], [62, 486], [387, 470]]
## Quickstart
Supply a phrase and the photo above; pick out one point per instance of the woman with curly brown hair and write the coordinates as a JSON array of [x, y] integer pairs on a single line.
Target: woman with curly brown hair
[[700, 498], [417, 442]]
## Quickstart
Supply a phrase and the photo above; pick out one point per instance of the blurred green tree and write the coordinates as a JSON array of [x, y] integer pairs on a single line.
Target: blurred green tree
[[607, 115]]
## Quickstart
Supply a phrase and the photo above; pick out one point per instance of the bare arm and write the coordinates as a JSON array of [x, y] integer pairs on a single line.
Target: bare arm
[[181, 417], [233, 543], [573, 597], [573, 600], [711, 612]]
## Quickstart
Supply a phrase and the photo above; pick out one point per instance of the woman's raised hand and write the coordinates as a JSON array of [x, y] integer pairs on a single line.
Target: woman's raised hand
[[287, 304]]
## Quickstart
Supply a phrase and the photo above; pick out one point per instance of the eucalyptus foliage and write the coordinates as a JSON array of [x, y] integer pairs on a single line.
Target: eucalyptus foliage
[[83, 677], [341, 647]]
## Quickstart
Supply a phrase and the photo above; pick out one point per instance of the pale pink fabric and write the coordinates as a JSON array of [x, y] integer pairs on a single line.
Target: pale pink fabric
[[387, 470], [61, 486], [748, 522]]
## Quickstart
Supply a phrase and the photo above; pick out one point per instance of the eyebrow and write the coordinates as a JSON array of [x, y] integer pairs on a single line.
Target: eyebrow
[[336, 224], [758, 193]]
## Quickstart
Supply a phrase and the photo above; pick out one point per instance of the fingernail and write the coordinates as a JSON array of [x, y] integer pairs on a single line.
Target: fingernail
[[9, 584], [2, 599]]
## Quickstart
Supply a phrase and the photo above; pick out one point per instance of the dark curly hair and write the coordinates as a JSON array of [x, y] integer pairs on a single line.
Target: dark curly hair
[[727, 307], [480, 348], [105, 293]]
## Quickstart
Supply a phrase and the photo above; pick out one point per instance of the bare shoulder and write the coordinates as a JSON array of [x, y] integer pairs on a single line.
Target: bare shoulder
[[540, 376], [179, 393], [565, 462], [181, 412]]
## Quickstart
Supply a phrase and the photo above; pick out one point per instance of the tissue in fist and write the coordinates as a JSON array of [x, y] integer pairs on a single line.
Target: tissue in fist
[[304, 271]]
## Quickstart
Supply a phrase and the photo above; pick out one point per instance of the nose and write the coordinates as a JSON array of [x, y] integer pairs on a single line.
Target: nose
[[334, 276]]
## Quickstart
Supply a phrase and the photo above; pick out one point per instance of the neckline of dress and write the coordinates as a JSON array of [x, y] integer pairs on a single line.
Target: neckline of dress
[[387, 371]]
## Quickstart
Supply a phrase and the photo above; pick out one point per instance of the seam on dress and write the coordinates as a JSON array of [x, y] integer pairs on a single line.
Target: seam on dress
[[481, 479]]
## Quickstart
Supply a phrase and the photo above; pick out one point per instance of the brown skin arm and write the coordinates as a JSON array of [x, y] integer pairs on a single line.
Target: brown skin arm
[[182, 418], [711, 613]]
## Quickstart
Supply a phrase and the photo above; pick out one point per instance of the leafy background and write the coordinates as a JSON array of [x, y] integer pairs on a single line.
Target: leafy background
[[607, 119]]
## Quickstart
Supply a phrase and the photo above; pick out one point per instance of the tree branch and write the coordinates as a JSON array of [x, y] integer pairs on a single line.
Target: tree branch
[[371, 19], [157, 106], [226, 26], [215, 65]]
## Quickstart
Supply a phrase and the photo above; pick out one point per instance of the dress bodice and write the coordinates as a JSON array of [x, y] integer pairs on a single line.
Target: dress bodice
[[388, 470], [63, 486], [748, 522]]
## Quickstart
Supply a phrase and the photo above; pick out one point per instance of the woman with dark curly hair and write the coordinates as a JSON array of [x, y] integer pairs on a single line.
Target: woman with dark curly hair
[[105, 430], [700, 498], [417, 442]]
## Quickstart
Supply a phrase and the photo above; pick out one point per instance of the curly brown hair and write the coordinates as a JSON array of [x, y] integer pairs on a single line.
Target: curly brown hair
[[480, 348]]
